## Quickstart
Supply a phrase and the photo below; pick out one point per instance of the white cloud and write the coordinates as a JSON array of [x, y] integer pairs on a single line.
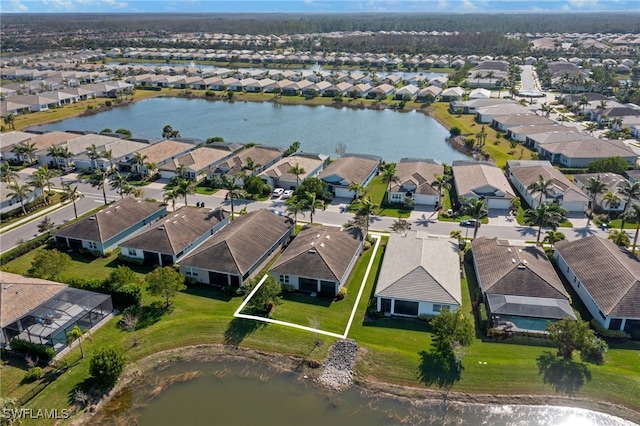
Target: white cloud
[[13, 6], [579, 4], [59, 4], [443, 4], [308, 1]]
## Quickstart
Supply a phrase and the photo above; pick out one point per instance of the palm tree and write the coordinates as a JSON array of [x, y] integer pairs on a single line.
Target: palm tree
[[54, 152], [98, 179], [601, 107], [310, 203], [631, 190], [583, 102], [551, 215], [107, 155], [562, 118], [553, 237], [10, 120], [441, 182], [500, 83], [171, 196], [233, 189], [542, 185], [591, 127], [481, 137], [358, 189], [620, 238], [19, 192], [118, 182], [546, 109], [611, 201], [38, 182], [490, 75], [633, 215], [71, 193], [457, 234], [138, 161], [185, 188], [477, 209], [388, 175], [93, 154], [595, 186], [294, 207], [25, 149], [76, 334], [365, 211], [297, 170], [7, 174], [251, 166]]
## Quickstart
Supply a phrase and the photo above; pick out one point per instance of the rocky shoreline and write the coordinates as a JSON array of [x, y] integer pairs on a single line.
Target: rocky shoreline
[[340, 372]]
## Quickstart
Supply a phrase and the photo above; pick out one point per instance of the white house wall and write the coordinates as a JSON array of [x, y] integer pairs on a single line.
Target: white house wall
[[424, 308]]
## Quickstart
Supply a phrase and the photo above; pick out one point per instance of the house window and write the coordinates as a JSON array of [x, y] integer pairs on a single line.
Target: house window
[[438, 308], [132, 252], [93, 245], [403, 307], [284, 279]]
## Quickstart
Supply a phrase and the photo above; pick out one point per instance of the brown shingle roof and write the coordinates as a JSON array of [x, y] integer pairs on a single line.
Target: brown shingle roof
[[198, 159], [110, 221], [307, 162], [610, 274], [512, 270], [165, 150], [470, 177], [177, 230], [529, 174], [19, 295], [351, 168], [320, 252], [239, 245], [260, 155], [420, 173]]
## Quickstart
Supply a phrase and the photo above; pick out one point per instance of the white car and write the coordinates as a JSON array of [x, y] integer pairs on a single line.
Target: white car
[[277, 192], [287, 194]]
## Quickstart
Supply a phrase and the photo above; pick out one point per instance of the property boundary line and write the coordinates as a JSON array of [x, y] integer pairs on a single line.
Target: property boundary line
[[237, 313]]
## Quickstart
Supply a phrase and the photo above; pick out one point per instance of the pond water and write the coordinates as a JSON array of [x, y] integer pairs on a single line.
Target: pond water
[[247, 393], [389, 134]]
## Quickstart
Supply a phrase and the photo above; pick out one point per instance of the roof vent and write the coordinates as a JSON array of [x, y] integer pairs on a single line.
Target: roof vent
[[513, 260], [312, 243], [313, 251], [521, 266], [117, 207], [183, 216], [92, 218], [160, 228], [318, 236], [524, 261], [328, 237], [509, 249], [321, 244]]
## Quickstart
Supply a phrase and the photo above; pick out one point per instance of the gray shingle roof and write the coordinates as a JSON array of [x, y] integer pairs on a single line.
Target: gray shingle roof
[[320, 252], [416, 267], [111, 220], [513, 270], [471, 177], [561, 185], [177, 230], [610, 274], [420, 173], [351, 168], [21, 294], [239, 245]]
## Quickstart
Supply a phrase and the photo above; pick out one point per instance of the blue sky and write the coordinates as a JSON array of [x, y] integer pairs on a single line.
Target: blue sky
[[314, 6]]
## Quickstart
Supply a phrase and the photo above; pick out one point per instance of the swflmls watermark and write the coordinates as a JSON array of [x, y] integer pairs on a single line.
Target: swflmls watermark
[[35, 414]]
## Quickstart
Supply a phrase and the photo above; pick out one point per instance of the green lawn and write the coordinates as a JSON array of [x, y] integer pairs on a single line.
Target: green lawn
[[376, 191], [393, 346]]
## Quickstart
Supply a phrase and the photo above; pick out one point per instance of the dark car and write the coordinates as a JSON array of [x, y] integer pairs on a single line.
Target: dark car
[[469, 222]]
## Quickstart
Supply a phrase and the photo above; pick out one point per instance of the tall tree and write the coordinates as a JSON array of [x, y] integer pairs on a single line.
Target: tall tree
[[26, 151], [297, 170], [631, 190], [611, 201], [364, 213], [442, 182], [19, 192], [358, 189], [7, 174], [251, 166], [310, 203], [389, 176], [185, 188], [71, 193], [47, 174], [10, 120], [477, 209], [138, 161], [170, 196], [295, 206], [166, 282], [119, 182], [553, 237], [542, 185], [98, 179], [633, 215], [76, 334], [551, 215], [38, 182], [595, 186], [233, 189]]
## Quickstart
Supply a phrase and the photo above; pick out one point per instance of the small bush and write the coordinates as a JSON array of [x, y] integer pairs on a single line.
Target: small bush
[[33, 374], [609, 334], [483, 318], [425, 317], [342, 294], [130, 260], [35, 349], [287, 288], [106, 366], [635, 334], [108, 104], [25, 248], [455, 131]]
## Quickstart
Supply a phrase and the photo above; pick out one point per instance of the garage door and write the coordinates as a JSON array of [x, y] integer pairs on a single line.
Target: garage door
[[306, 284]]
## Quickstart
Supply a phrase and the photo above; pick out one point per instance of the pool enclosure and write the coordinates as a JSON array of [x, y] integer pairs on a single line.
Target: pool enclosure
[[526, 314], [49, 323]]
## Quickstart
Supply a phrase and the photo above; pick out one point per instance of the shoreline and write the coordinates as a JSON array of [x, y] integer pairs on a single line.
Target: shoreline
[[310, 370]]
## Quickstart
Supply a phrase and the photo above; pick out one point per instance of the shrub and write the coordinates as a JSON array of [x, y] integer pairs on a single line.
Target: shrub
[[455, 131], [594, 351], [35, 349], [287, 288], [33, 374], [483, 318], [106, 366], [108, 104], [342, 293], [131, 260], [635, 334], [424, 317], [609, 334], [127, 295], [25, 248]]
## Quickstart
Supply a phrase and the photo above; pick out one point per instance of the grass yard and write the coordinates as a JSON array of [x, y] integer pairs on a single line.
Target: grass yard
[[499, 149], [376, 191], [394, 348]]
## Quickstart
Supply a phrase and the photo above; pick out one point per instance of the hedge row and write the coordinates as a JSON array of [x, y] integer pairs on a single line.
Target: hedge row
[[43, 352], [609, 334], [152, 88], [25, 248]]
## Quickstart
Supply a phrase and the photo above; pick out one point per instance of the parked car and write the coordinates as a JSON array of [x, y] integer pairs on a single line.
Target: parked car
[[277, 192], [287, 194], [469, 222]]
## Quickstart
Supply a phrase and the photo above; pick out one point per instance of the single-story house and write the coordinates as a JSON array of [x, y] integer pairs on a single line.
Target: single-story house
[[262, 157], [319, 259], [482, 180], [471, 106], [479, 93], [583, 151], [43, 312], [420, 275], [521, 289], [121, 151], [163, 152], [614, 183], [233, 254], [505, 122], [451, 94], [415, 179], [430, 94], [605, 277], [381, 91], [174, 236], [406, 93], [488, 113], [106, 229], [279, 175], [520, 133], [562, 191], [347, 169], [9, 140], [199, 160]]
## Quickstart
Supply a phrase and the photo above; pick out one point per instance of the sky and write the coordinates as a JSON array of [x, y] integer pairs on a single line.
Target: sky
[[315, 6]]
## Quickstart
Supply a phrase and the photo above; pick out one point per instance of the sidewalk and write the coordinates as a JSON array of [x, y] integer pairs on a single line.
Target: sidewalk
[[33, 217]]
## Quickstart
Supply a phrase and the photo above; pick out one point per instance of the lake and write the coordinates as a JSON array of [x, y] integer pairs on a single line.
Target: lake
[[250, 393], [389, 134]]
